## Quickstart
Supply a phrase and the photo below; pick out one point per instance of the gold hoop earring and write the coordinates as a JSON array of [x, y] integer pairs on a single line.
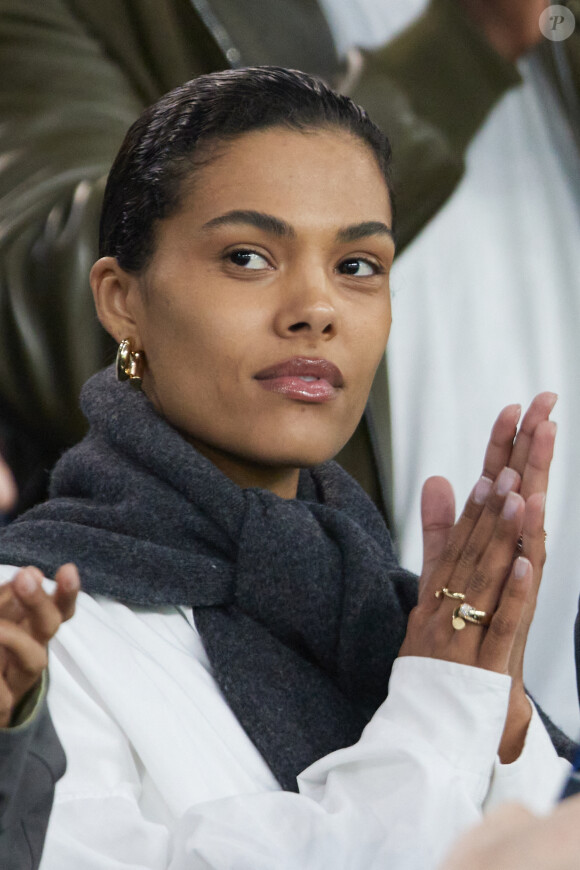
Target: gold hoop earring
[[129, 364]]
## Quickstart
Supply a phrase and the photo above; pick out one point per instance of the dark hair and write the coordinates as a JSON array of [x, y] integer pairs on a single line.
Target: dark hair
[[145, 184]]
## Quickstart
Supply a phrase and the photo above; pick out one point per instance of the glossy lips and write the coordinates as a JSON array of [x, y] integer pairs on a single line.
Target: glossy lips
[[307, 380]]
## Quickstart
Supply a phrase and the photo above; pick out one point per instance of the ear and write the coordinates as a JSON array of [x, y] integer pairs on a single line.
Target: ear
[[117, 296]]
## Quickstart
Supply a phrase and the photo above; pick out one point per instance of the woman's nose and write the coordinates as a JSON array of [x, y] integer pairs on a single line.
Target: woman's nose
[[308, 309]]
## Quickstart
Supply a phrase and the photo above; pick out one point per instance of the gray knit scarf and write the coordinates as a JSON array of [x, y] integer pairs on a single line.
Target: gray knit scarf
[[300, 603]]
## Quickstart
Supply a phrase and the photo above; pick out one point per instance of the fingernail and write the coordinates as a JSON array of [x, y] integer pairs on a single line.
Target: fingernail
[[521, 567], [552, 400], [482, 489], [69, 583], [26, 584], [543, 502], [506, 481], [510, 507]]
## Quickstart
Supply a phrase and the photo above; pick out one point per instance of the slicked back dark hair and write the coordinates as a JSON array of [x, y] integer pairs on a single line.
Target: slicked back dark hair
[[176, 135]]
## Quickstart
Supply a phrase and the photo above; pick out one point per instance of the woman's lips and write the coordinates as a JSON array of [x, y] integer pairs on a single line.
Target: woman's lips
[[296, 388], [304, 379]]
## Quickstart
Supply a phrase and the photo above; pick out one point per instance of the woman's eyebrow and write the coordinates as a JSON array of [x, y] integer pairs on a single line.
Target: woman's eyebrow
[[258, 219], [278, 227], [361, 231]]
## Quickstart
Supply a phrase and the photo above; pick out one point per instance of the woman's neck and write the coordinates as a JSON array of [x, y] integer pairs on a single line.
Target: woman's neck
[[282, 481]]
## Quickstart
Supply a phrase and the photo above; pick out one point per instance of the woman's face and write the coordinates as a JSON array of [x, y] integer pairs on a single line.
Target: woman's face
[[265, 309]]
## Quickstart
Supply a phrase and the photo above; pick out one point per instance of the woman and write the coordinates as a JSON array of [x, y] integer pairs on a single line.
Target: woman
[[243, 607]]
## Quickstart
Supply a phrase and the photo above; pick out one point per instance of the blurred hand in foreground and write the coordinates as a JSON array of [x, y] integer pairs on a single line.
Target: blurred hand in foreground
[[512, 838]]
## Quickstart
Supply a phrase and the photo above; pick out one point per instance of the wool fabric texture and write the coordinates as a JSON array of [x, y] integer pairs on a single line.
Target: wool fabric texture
[[300, 603]]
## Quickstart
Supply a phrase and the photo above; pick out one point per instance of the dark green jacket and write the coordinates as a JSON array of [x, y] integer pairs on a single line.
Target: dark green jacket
[[74, 74]]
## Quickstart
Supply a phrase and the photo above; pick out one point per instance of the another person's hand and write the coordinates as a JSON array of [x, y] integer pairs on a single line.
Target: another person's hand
[[511, 838], [475, 557], [7, 488], [510, 26], [29, 618]]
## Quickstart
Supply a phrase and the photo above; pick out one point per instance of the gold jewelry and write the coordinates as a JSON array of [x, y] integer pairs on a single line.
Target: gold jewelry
[[458, 596], [466, 613], [129, 364], [520, 541]]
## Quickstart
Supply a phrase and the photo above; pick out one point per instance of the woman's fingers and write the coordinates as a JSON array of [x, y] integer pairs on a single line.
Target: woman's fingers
[[501, 441], [534, 548], [29, 655], [498, 640], [472, 560], [68, 585], [539, 458], [529, 451], [488, 558], [44, 613], [539, 411], [437, 520], [470, 536], [530, 455], [10, 607], [29, 618], [24, 663]]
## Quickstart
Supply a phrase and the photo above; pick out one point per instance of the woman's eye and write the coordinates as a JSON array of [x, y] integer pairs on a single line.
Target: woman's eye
[[248, 260], [358, 267]]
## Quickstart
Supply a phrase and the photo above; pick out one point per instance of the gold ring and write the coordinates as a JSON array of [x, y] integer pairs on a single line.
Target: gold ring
[[466, 613], [458, 596], [520, 541]]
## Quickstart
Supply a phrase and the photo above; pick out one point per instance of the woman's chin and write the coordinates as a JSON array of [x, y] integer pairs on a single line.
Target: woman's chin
[[306, 456]]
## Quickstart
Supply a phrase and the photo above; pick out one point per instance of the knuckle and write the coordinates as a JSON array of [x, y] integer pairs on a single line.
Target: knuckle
[[472, 510], [440, 633], [514, 594], [502, 626], [494, 504], [416, 619], [35, 665], [47, 627], [41, 662], [479, 581], [469, 554], [504, 531], [451, 553]]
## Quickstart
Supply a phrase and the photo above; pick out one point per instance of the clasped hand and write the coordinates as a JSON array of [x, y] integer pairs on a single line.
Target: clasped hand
[[29, 618], [493, 556]]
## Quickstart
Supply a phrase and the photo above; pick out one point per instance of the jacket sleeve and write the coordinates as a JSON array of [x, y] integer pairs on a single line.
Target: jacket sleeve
[[31, 761], [65, 107], [431, 89]]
